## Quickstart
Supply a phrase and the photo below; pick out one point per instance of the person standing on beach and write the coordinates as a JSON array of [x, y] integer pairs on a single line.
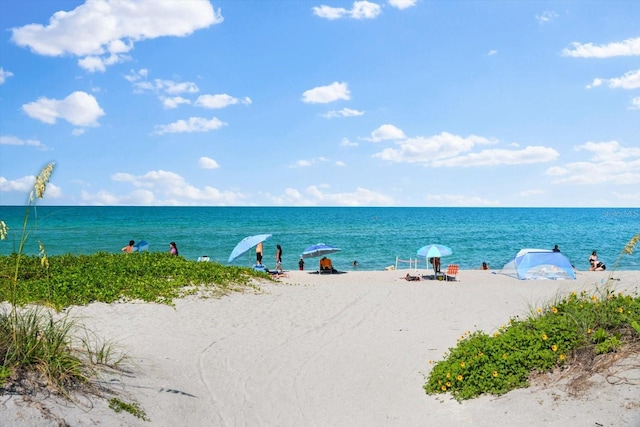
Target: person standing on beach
[[259, 253], [173, 249], [556, 248], [128, 249], [278, 257]]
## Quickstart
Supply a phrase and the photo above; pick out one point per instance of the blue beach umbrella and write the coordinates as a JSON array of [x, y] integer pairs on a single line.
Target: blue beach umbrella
[[246, 244], [434, 251], [319, 250]]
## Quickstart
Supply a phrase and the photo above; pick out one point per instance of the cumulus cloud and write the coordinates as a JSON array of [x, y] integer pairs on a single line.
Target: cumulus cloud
[[345, 112], [325, 94], [14, 140], [629, 47], [321, 196], [219, 101], [460, 200], [347, 143], [610, 162], [174, 102], [103, 32], [402, 4], [546, 16], [207, 163], [4, 75], [630, 80], [162, 188], [448, 150], [25, 185], [193, 124], [386, 132], [79, 109], [303, 163], [360, 10]]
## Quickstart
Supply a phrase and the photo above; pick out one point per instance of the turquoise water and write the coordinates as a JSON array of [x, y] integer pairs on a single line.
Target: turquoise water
[[372, 236]]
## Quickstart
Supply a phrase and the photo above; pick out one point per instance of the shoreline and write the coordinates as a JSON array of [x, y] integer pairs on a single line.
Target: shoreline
[[340, 350]]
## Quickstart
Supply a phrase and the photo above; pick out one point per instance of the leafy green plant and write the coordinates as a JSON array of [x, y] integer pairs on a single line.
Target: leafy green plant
[[133, 408], [602, 322]]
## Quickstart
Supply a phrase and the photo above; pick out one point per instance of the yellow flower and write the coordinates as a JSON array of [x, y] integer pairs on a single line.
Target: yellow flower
[[539, 310], [444, 388], [495, 334], [544, 337], [620, 310], [573, 294], [594, 298], [504, 356], [589, 330], [448, 375], [462, 364], [562, 357], [495, 374], [448, 384], [554, 347], [459, 377], [555, 310]]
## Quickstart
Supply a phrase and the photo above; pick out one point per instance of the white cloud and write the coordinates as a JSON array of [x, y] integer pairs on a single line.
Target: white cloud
[[360, 10], [102, 32], [325, 94], [635, 103], [460, 200], [402, 4], [193, 124], [163, 188], [14, 140], [450, 150], [347, 143], [492, 52], [546, 16], [630, 80], [25, 185], [303, 163], [4, 75], [207, 163], [494, 157], [79, 109], [609, 163], [174, 102], [629, 47], [345, 112], [316, 196], [219, 101], [340, 163], [386, 132]]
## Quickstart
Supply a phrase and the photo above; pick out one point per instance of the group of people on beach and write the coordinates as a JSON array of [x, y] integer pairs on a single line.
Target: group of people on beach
[[326, 264]]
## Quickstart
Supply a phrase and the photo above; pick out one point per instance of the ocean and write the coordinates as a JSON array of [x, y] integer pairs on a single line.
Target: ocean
[[372, 236]]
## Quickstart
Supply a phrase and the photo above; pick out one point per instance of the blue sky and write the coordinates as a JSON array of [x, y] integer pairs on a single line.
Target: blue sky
[[321, 103]]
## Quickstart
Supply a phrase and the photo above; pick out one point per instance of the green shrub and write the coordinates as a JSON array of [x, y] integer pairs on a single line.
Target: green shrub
[[546, 339]]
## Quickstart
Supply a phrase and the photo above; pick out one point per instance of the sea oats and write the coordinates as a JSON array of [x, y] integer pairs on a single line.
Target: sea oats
[[4, 230], [42, 179]]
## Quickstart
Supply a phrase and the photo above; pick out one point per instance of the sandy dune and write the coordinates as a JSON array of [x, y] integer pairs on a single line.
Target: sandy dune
[[329, 350]]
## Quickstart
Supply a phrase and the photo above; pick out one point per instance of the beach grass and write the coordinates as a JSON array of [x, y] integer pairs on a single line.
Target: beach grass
[[571, 329]]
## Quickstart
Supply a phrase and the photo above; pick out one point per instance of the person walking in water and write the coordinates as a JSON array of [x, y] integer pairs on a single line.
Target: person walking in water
[[278, 257]]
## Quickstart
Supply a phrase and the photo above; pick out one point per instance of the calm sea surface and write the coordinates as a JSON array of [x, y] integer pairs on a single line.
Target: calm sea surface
[[372, 236]]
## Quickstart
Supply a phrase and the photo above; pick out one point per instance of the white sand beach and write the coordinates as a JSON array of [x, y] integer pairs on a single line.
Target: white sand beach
[[330, 350]]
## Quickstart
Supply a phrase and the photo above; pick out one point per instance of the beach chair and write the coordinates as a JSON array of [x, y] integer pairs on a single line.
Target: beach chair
[[452, 272]]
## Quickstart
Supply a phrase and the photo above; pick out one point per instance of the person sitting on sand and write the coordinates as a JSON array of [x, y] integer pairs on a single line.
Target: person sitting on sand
[[326, 264], [596, 264], [410, 278], [485, 266], [128, 249]]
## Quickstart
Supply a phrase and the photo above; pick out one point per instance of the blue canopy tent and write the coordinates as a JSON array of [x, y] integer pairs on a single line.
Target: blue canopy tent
[[534, 264]]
